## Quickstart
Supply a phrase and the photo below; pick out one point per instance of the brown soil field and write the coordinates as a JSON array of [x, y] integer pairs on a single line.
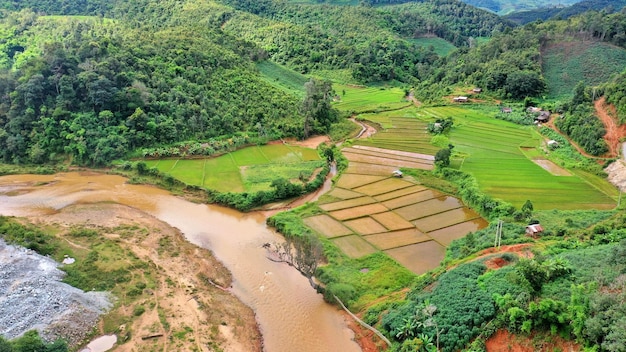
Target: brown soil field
[[354, 246], [429, 207], [551, 167], [383, 186], [396, 239], [370, 169], [351, 181], [349, 203], [379, 160], [396, 152], [327, 226], [446, 235], [365, 226], [388, 156], [343, 193], [420, 257], [412, 198], [445, 219], [399, 193], [392, 221], [190, 305], [357, 212]]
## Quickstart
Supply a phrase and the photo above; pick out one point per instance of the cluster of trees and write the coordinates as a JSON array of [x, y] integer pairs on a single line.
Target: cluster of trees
[[100, 89], [581, 124], [310, 37], [32, 342]]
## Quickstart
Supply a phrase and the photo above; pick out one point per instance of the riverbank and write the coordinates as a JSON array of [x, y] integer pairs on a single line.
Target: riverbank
[[184, 301]]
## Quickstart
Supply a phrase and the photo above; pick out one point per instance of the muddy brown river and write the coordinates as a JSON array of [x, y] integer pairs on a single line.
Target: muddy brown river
[[291, 315]]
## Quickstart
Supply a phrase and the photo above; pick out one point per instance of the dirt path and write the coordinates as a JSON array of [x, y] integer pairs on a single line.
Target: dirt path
[[614, 132]]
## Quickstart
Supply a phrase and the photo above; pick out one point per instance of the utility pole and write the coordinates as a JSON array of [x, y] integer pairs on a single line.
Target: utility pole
[[498, 239]]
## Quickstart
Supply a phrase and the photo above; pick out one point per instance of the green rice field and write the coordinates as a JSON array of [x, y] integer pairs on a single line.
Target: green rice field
[[403, 130], [360, 99], [494, 156], [245, 170]]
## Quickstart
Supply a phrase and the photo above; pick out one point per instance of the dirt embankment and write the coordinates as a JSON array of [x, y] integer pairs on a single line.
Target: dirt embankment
[[614, 131], [187, 306]]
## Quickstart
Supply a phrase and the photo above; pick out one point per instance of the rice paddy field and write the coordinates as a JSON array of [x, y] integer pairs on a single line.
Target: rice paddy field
[[494, 154], [403, 130], [370, 212], [245, 170], [359, 99]]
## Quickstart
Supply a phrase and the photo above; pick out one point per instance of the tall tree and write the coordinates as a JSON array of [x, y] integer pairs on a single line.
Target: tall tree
[[316, 107]]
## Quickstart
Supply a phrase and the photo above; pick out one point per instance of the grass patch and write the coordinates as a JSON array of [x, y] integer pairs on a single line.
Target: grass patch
[[282, 77], [440, 46], [248, 169]]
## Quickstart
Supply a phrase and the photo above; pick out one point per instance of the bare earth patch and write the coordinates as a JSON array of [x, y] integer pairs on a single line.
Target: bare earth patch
[[504, 341], [190, 307], [551, 167]]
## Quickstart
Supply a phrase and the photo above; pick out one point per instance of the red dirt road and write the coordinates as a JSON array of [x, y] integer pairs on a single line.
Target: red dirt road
[[614, 132]]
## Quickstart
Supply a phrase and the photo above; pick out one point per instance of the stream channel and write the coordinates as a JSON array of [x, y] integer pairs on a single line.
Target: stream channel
[[291, 315]]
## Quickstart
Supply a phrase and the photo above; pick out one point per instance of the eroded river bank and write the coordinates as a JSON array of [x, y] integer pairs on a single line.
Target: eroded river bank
[[290, 314]]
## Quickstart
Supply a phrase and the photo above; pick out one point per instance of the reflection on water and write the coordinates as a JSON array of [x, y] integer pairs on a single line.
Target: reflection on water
[[291, 315]]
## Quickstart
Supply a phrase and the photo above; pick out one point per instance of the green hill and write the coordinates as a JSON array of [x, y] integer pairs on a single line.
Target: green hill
[[565, 63]]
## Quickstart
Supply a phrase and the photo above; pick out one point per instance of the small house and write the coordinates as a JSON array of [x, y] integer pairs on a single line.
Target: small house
[[534, 230], [460, 99], [543, 117], [397, 173], [477, 90], [552, 144], [506, 110]]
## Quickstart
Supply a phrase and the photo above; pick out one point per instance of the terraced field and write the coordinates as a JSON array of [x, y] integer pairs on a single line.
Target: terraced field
[[494, 152], [371, 211], [403, 130], [249, 169]]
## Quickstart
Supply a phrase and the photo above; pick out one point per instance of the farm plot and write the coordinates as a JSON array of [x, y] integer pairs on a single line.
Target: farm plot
[[383, 186], [428, 208], [402, 131], [349, 203], [395, 239], [419, 257], [248, 169], [392, 221], [363, 99], [446, 235], [354, 246], [365, 226], [445, 219], [327, 226], [399, 193], [370, 169], [411, 198], [495, 158]]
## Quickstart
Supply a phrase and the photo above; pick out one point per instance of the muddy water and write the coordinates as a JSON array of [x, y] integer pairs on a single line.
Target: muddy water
[[292, 317]]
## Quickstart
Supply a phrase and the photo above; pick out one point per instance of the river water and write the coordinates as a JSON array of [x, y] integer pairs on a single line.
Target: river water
[[291, 315]]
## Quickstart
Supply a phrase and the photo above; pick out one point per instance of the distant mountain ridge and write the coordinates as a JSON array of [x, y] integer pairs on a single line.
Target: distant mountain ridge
[[546, 13]]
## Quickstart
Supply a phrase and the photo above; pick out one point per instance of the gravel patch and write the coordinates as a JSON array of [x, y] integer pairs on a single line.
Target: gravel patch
[[32, 296]]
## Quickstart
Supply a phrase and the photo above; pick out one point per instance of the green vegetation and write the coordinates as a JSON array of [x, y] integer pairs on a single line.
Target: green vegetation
[[32, 342], [564, 71], [438, 45], [249, 169]]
